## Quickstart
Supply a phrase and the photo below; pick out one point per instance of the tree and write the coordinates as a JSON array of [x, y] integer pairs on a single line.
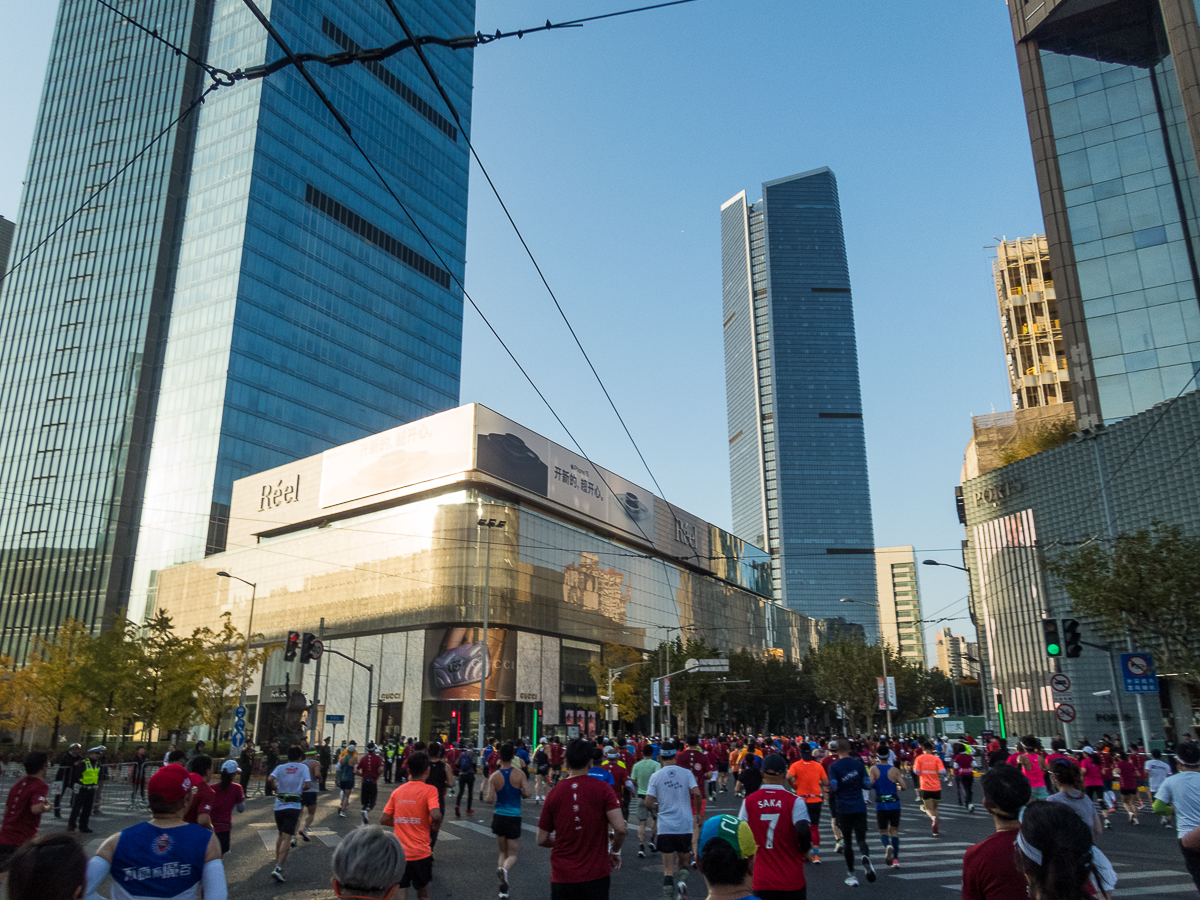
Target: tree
[[223, 665], [166, 677], [57, 673], [17, 706], [630, 701], [107, 693], [1145, 586]]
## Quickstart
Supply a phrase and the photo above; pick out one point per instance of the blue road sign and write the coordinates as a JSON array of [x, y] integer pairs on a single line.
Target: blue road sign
[[238, 740], [335, 720], [1137, 670], [239, 725], [941, 712], [240, 712]]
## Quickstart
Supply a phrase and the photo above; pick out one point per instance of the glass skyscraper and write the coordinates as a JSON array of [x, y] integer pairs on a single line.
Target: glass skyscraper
[[797, 452], [1111, 94], [246, 294]]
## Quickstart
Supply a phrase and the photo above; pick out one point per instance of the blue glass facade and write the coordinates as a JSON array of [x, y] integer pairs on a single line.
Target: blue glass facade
[[797, 447], [297, 307]]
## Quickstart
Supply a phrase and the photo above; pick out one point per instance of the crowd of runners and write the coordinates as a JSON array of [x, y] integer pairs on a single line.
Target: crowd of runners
[[586, 796]]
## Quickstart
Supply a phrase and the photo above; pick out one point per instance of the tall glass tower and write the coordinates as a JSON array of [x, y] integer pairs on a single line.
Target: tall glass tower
[[244, 295], [797, 452]]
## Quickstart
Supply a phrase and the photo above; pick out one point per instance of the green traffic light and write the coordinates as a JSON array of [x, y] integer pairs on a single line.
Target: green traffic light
[[1053, 649]]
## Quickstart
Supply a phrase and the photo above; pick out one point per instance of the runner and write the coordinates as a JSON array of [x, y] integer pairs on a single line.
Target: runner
[[412, 812], [989, 868], [1067, 778], [614, 765], [727, 857], [1128, 773], [541, 771], [1032, 764], [847, 781], [227, 796], [165, 857], [964, 777], [807, 778], [367, 863], [887, 783], [439, 778], [28, 798], [287, 782], [200, 810], [308, 799], [54, 867], [1093, 784], [574, 824], [827, 762], [673, 794], [467, 762], [506, 787], [1157, 771], [1057, 857], [557, 756], [779, 821], [697, 762], [370, 767], [347, 763], [640, 778], [1179, 796], [928, 767]]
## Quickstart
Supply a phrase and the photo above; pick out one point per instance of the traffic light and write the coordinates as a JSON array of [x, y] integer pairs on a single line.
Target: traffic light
[[293, 644], [306, 647], [1072, 646], [1051, 638]]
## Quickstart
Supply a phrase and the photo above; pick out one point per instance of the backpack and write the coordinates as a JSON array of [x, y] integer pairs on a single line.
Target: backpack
[[345, 770], [466, 763]]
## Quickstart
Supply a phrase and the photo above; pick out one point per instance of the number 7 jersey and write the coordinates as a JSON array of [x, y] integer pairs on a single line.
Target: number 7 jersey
[[776, 815]]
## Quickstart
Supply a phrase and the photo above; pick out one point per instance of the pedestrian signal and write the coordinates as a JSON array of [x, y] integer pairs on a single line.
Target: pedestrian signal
[[306, 647], [293, 644], [1051, 637], [1072, 645]]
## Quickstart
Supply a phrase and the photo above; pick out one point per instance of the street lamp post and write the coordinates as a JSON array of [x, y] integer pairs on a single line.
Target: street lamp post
[[249, 624], [611, 673], [887, 703], [489, 524], [982, 690]]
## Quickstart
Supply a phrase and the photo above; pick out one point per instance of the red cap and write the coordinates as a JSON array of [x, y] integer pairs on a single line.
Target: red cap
[[170, 782]]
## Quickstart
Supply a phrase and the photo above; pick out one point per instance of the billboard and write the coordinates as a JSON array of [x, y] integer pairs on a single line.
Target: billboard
[[455, 664], [433, 447], [524, 458]]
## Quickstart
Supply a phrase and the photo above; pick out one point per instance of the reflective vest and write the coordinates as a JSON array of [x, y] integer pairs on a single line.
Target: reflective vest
[[91, 774]]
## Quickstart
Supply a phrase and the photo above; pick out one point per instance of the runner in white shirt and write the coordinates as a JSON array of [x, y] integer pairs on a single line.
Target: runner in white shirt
[[290, 780], [674, 794], [1180, 795]]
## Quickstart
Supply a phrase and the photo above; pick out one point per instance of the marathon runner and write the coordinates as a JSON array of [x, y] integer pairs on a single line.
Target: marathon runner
[[506, 787], [887, 782], [674, 794], [807, 778], [779, 822], [847, 781]]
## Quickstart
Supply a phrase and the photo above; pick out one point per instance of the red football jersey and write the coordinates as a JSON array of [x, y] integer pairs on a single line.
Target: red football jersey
[[774, 814]]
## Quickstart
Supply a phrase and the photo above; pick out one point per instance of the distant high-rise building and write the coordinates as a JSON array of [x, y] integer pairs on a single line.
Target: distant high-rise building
[[900, 603], [1112, 98], [245, 295], [1037, 364], [797, 452], [957, 657], [7, 229]]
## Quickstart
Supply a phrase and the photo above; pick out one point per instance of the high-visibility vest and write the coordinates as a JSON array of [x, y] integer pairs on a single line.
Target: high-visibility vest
[[91, 774]]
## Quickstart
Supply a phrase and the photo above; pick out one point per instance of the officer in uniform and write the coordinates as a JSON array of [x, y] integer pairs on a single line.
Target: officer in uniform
[[86, 777], [66, 765]]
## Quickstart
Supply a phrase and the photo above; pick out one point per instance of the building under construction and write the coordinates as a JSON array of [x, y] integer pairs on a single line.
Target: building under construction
[[1033, 343]]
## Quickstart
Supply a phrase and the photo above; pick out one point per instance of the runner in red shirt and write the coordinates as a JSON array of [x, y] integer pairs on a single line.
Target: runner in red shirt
[[574, 824], [615, 766], [200, 811], [555, 751], [699, 764], [27, 800], [779, 821], [370, 766], [989, 868]]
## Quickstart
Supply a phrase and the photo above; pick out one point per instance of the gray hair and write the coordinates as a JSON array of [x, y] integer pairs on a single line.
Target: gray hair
[[369, 859]]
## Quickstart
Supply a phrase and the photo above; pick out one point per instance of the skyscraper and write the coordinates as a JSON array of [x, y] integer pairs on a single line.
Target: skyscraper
[[244, 295], [900, 603], [797, 452], [7, 229], [1112, 97]]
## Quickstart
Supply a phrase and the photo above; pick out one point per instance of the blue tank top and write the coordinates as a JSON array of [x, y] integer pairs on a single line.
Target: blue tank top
[[508, 798], [886, 790], [155, 862]]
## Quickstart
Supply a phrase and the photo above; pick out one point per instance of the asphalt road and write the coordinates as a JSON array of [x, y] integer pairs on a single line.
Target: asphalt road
[[1146, 858]]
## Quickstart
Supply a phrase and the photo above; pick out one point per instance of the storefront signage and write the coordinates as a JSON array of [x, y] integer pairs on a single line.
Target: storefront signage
[[390, 698], [993, 495], [279, 494]]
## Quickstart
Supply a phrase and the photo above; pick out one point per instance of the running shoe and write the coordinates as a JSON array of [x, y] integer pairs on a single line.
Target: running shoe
[[870, 869], [641, 851], [816, 858], [681, 891], [470, 812], [502, 874], [852, 880], [304, 834], [457, 812], [367, 818], [888, 854], [837, 848], [970, 807], [895, 863], [1133, 820], [293, 840], [1107, 824], [341, 814], [934, 826], [277, 874]]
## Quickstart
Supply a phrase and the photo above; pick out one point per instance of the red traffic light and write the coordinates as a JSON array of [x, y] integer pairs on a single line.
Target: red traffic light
[[293, 644]]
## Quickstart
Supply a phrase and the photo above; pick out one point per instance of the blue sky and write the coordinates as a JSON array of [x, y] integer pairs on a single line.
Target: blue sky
[[614, 146]]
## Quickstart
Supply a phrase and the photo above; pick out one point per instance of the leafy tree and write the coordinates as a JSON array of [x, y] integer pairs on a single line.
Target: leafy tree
[[1146, 586], [222, 666], [108, 697], [630, 701], [57, 672], [166, 676], [18, 709]]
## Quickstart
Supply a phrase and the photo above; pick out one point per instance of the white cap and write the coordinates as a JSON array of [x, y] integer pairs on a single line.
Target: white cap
[[230, 765]]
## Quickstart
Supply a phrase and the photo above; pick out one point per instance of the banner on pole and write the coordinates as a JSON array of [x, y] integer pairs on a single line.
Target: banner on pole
[[891, 694], [879, 683], [666, 692], [654, 694]]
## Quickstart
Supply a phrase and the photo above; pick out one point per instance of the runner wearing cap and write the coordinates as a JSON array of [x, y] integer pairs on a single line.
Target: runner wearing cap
[[887, 782], [779, 821], [614, 764], [674, 795], [698, 763], [727, 855], [227, 796], [289, 781], [541, 763], [165, 857], [1179, 796], [370, 767], [807, 778]]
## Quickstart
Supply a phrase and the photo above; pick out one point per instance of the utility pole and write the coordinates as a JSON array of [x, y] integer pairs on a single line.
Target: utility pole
[[312, 719], [489, 524]]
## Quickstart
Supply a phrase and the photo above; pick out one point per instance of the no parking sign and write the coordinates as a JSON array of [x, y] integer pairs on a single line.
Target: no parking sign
[[1137, 670]]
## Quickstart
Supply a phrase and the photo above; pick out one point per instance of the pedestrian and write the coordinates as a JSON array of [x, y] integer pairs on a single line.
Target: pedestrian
[[85, 775], [964, 776], [53, 867], [727, 859], [888, 784], [197, 750], [367, 863], [1157, 771], [199, 812], [288, 782], [271, 761], [467, 762], [1067, 779], [308, 799], [506, 786], [541, 764], [246, 767], [989, 867], [807, 778], [370, 767], [848, 780], [325, 758], [929, 769], [347, 764], [674, 795], [439, 779], [1179, 796], [166, 756], [1057, 856], [575, 822], [778, 820], [413, 813], [28, 798], [64, 777], [165, 857], [228, 795], [643, 769], [137, 776]]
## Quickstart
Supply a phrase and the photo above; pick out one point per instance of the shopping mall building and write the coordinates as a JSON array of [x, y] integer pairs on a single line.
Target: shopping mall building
[[390, 547]]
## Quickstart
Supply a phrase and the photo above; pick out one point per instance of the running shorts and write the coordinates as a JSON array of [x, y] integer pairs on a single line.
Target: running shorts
[[931, 795], [1128, 792], [506, 827], [286, 820], [308, 798], [643, 811], [887, 818], [417, 873], [723, 767], [674, 843]]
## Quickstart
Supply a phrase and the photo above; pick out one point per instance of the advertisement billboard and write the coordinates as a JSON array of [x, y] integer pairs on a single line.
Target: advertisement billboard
[[455, 664]]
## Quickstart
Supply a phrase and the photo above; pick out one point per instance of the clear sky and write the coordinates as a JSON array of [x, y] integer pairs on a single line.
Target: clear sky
[[614, 146]]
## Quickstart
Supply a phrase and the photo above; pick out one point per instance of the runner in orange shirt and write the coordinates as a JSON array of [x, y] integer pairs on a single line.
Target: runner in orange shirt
[[807, 778], [413, 812], [931, 771]]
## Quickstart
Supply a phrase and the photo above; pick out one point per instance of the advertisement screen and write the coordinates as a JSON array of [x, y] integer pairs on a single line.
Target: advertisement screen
[[455, 664]]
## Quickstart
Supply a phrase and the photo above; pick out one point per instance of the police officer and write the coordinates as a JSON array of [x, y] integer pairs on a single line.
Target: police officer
[[66, 764], [85, 775]]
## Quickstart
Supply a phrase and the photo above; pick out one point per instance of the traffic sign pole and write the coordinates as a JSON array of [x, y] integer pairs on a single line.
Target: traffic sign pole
[[312, 716]]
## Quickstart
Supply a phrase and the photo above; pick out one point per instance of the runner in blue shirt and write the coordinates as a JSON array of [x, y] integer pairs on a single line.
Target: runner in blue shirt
[[847, 780]]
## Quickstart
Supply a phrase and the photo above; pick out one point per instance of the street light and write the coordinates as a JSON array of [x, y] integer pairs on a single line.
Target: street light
[[609, 698], [887, 704], [249, 623], [489, 524], [934, 562]]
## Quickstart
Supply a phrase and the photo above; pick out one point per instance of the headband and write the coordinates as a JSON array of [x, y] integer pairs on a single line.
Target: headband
[[1034, 854]]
